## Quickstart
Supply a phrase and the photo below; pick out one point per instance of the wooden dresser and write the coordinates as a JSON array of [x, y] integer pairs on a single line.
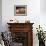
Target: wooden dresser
[[22, 33]]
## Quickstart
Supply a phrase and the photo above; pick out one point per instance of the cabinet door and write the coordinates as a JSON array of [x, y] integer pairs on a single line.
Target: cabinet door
[[20, 37]]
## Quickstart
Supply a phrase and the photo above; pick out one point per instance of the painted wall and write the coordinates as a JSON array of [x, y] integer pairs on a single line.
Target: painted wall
[[43, 6], [34, 14], [43, 14], [0, 15], [33, 10]]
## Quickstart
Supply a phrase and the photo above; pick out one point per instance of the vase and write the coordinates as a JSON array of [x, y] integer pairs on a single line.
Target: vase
[[41, 43]]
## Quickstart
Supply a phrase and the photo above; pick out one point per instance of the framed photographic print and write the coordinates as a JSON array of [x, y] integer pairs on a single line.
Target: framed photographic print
[[20, 10]]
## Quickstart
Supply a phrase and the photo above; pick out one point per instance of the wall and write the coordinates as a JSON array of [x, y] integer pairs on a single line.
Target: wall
[[33, 14], [43, 6], [33, 10], [0, 15], [43, 14]]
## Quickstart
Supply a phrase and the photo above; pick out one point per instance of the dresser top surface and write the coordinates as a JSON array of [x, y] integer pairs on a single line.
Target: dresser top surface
[[19, 23]]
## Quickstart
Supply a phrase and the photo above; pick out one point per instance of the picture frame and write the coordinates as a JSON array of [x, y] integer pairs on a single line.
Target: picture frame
[[20, 10]]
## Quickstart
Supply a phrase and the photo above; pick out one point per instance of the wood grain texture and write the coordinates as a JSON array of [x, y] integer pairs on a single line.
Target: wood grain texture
[[23, 27]]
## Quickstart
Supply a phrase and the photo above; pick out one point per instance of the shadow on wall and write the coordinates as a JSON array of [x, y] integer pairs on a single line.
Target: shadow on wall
[[0, 15], [43, 6], [0, 23]]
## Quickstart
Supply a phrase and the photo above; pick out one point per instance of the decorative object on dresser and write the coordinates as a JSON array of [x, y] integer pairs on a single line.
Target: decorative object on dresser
[[22, 33], [13, 21]]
